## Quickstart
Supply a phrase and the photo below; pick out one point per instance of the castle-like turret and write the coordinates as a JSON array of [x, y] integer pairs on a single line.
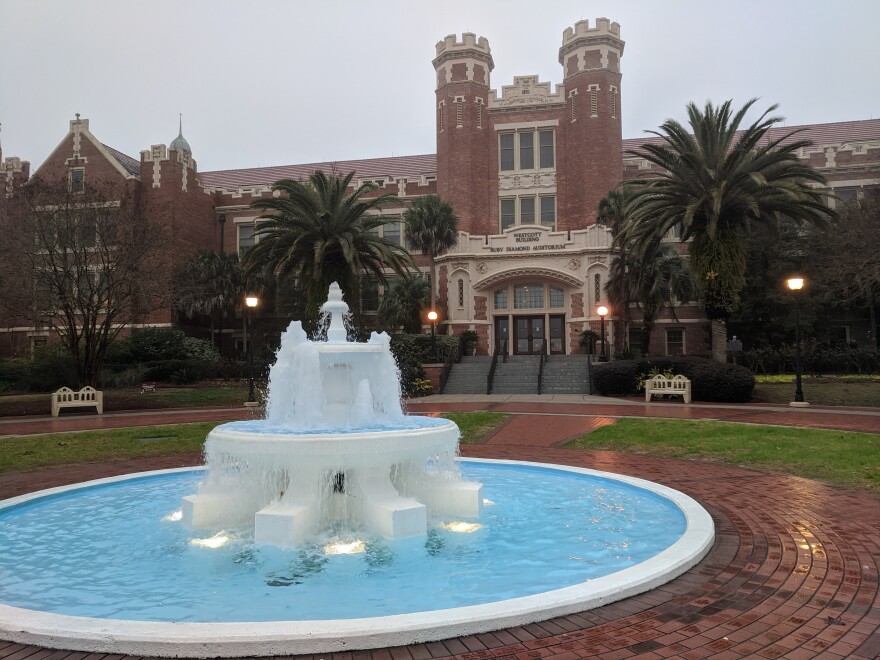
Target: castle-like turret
[[464, 135], [590, 58]]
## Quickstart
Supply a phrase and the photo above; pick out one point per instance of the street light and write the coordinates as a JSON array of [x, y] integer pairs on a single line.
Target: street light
[[796, 284], [602, 311], [432, 317], [251, 302]]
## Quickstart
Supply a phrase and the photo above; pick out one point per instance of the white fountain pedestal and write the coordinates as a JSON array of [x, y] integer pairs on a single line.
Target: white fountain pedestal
[[290, 485]]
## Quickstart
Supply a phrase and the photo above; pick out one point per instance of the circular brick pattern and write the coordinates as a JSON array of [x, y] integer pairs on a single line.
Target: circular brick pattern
[[793, 572]]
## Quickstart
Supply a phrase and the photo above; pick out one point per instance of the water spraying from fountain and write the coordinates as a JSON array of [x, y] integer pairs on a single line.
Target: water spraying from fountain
[[335, 449]]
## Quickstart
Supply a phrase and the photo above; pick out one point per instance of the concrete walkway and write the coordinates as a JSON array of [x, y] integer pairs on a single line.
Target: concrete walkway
[[793, 572]]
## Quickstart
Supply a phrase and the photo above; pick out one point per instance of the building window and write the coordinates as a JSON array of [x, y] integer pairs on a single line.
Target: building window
[[557, 297], [508, 213], [527, 210], [846, 196], [501, 299], [526, 151], [391, 232], [548, 211], [675, 341], [77, 180], [461, 294], [571, 97], [613, 101], [839, 335], [594, 100], [38, 341], [516, 211], [516, 150], [506, 151], [545, 140], [634, 337], [479, 113], [528, 296], [459, 118], [246, 238], [441, 117], [597, 288], [369, 294]]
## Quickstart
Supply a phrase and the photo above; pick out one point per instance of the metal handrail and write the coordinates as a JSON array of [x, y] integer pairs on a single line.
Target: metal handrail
[[541, 362], [590, 372], [453, 355], [491, 376], [504, 351]]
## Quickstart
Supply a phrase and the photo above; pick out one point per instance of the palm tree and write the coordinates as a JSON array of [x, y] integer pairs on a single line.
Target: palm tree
[[403, 302], [432, 228], [655, 281], [716, 182], [319, 233], [210, 284]]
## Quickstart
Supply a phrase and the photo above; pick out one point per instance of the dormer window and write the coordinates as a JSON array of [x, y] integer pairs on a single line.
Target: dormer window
[[77, 180]]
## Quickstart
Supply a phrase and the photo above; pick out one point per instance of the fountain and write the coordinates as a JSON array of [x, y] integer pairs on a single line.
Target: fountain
[[335, 449], [336, 523]]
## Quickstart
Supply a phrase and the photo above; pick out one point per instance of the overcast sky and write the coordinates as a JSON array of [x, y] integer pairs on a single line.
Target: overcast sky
[[272, 82]]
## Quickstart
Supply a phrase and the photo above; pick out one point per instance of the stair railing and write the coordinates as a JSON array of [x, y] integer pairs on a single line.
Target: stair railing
[[590, 373], [452, 356], [541, 362], [491, 376]]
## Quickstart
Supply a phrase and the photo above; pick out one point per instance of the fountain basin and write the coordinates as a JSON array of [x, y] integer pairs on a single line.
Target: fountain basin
[[250, 638]]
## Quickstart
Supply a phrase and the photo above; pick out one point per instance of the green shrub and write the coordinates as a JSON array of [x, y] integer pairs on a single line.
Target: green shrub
[[710, 380], [152, 344], [587, 341], [819, 358]]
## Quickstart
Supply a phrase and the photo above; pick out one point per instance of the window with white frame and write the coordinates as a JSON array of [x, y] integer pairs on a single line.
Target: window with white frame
[[634, 337], [527, 149], [675, 341], [528, 296], [501, 299], [557, 297], [524, 210], [77, 180], [246, 238]]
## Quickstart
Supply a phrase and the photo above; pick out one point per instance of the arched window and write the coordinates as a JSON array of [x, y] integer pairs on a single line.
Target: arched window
[[461, 293]]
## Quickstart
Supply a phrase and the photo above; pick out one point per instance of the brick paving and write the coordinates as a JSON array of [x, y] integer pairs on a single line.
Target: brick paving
[[793, 572]]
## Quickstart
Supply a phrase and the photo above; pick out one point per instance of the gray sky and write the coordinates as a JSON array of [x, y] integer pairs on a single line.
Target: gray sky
[[273, 82]]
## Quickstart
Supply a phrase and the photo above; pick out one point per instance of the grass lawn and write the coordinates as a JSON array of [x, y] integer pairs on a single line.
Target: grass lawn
[[36, 451], [847, 459], [475, 425], [130, 398], [863, 391]]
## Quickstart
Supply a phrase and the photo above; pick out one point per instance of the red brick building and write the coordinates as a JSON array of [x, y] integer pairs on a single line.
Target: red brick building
[[524, 169]]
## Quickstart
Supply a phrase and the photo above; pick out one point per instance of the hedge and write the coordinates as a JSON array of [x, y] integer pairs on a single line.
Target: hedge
[[710, 380]]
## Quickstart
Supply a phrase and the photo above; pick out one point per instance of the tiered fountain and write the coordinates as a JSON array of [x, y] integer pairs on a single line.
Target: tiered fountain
[[335, 448]]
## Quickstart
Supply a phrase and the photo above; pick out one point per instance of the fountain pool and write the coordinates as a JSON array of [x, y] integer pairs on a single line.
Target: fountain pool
[[109, 567]]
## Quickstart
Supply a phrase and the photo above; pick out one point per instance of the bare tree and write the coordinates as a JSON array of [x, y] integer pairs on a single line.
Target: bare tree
[[84, 264]]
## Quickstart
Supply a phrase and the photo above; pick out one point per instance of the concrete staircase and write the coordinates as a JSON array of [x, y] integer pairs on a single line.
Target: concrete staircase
[[519, 375], [565, 374], [469, 375]]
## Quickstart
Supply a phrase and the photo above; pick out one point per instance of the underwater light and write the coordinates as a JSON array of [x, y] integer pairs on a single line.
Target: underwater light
[[352, 548], [217, 541], [461, 527]]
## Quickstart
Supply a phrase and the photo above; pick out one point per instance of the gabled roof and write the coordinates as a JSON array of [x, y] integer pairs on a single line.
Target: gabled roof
[[819, 134], [131, 165], [398, 166]]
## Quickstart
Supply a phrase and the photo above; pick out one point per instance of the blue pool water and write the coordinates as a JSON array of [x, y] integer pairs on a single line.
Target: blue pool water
[[107, 552]]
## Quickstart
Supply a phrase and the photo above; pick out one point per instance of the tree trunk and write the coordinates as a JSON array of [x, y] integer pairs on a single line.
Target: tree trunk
[[433, 267], [719, 340]]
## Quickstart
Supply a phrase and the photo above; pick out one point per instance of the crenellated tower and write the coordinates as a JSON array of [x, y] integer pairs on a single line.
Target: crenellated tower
[[591, 126], [464, 135]]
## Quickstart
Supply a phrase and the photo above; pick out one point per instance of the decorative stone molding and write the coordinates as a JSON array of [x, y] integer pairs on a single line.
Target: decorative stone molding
[[528, 271], [527, 90], [512, 182]]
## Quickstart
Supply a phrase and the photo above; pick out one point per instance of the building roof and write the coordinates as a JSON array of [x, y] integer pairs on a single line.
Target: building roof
[[131, 165], [394, 167], [416, 166], [819, 134]]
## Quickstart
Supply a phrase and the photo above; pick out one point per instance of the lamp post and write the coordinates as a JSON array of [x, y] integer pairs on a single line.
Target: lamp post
[[251, 302], [795, 284], [602, 311], [432, 317]]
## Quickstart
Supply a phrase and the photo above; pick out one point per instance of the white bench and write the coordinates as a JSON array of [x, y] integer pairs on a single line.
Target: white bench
[[68, 398], [677, 385]]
